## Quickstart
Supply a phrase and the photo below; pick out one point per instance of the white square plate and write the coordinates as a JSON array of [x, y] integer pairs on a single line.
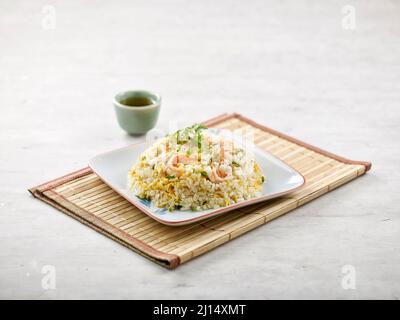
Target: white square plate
[[112, 167]]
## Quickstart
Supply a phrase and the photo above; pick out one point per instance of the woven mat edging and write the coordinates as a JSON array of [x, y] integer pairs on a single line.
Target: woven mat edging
[[44, 193], [306, 145]]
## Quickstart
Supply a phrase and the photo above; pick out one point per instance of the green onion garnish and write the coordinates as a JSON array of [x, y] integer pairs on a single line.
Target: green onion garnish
[[198, 127], [234, 163]]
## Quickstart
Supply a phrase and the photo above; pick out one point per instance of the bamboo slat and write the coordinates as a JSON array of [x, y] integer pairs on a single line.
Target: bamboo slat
[[84, 196]]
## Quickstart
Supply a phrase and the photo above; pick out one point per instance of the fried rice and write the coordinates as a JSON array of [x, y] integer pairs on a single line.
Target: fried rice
[[194, 169]]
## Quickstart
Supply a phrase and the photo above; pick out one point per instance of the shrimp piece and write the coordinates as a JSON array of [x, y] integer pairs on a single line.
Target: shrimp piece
[[176, 165], [218, 175], [175, 169], [180, 158]]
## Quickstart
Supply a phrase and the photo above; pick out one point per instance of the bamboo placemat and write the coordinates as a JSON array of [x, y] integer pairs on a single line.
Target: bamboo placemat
[[85, 197]]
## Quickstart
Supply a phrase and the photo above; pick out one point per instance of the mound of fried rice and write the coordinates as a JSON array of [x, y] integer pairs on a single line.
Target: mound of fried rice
[[194, 169]]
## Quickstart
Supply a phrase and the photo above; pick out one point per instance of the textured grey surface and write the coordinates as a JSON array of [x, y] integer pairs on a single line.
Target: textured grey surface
[[288, 64]]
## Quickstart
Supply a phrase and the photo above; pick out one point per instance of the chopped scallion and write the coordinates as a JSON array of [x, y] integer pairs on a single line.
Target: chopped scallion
[[234, 163]]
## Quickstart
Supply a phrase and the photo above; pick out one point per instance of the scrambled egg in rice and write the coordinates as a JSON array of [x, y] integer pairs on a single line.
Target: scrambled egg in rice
[[194, 169]]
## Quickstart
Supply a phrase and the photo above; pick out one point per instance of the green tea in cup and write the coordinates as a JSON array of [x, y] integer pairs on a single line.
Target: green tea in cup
[[137, 110], [136, 101]]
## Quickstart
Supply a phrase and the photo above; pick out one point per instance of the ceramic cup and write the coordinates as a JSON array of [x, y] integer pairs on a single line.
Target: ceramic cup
[[137, 119]]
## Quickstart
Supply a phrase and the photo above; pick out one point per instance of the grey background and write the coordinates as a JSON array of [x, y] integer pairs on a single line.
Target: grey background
[[288, 64]]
